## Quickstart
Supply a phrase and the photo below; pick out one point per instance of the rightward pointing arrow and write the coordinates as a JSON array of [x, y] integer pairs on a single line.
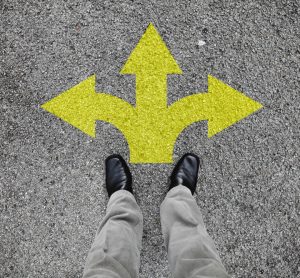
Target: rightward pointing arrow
[[222, 107], [151, 127]]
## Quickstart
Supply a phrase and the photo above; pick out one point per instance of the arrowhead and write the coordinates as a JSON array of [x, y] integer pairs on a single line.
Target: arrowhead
[[228, 106], [75, 106], [151, 55]]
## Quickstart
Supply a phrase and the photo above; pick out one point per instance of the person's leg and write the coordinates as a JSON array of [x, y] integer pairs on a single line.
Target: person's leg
[[191, 251], [115, 252]]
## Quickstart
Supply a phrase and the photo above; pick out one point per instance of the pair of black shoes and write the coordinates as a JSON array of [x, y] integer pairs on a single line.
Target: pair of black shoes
[[118, 175]]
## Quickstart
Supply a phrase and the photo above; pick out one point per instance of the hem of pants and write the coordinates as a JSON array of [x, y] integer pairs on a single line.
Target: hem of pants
[[180, 188], [121, 192]]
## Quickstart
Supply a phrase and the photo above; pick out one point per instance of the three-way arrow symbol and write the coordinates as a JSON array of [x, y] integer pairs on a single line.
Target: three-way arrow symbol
[[151, 127]]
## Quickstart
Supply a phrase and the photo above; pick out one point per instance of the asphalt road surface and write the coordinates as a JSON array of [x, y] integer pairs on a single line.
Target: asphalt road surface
[[52, 175]]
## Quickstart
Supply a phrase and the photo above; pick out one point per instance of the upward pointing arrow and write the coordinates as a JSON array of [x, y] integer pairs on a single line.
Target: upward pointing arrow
[[151, 62]]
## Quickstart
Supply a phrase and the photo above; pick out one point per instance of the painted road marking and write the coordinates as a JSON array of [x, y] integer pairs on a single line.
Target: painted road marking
[[151, 127]]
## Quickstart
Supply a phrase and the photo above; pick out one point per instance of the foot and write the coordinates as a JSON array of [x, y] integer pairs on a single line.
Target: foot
[[185, 172], [118, 176]]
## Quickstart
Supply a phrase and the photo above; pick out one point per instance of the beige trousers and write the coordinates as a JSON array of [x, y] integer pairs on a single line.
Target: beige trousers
[[115, 252]]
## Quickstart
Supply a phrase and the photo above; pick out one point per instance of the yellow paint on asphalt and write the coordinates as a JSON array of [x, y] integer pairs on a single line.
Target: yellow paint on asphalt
[[151, 127]]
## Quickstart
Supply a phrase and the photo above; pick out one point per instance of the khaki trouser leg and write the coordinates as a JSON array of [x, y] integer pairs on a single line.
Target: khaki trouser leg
[[191, 251], [115, 252]]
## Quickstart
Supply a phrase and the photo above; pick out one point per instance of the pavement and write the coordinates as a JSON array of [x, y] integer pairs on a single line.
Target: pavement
[[52, 175]]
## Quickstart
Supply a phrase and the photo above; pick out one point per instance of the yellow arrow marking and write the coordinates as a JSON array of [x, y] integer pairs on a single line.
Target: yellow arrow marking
[[151, 62], [151, 127], [81, 106]]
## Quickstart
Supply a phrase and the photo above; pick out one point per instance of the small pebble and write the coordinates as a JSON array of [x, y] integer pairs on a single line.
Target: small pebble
[[201, 43]]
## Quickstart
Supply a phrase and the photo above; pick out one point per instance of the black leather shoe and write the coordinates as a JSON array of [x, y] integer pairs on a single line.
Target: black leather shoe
[[118, 175], [185, 172]]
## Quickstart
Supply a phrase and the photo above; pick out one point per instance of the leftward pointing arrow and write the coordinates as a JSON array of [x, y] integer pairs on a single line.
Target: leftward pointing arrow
[[151, 127]]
